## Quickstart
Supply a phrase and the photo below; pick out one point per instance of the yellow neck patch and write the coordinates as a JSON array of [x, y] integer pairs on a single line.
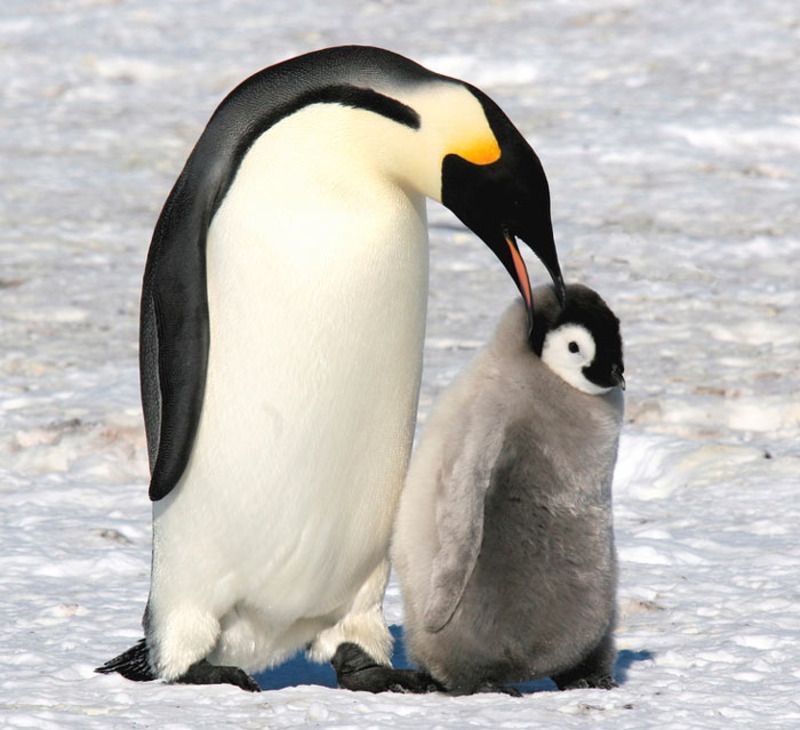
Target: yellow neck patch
[[480, 152]]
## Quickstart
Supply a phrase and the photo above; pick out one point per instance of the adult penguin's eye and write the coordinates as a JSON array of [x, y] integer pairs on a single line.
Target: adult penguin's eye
[[573, 347]]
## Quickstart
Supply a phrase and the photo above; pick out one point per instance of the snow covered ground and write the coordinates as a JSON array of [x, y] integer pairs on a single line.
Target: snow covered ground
[[671, 136]]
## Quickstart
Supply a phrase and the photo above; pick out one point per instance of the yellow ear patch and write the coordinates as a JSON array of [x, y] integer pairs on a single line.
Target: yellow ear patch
[[479, 152]]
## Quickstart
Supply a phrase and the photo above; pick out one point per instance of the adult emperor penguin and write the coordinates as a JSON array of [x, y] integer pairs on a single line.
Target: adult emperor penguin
[[282, 322], [503, 541]]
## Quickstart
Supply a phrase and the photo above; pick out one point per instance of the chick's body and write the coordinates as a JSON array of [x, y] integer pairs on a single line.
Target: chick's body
[[504, 537]]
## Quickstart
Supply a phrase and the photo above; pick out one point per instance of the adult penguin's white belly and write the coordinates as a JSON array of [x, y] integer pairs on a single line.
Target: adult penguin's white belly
[[317, 288]]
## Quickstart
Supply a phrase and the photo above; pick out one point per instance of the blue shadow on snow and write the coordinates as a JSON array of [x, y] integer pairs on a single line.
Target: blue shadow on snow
[[299, 671]]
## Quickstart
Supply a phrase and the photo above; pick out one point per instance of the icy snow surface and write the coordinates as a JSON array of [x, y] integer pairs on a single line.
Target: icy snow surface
[[671, 136]]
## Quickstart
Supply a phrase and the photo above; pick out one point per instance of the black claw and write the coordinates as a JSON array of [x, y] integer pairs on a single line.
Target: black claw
[[204, 673], [358, 671]]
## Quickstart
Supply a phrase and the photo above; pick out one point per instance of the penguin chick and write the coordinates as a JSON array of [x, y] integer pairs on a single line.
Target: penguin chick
[[503, 540]]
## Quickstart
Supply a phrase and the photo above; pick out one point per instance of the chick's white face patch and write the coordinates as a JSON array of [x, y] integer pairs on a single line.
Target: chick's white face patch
[[566, 351]]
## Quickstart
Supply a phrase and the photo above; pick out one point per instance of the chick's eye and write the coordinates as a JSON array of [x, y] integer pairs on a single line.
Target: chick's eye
[[573, 347]]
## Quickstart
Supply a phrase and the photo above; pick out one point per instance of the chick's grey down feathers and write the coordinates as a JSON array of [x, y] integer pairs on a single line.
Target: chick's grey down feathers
[[504, 541]]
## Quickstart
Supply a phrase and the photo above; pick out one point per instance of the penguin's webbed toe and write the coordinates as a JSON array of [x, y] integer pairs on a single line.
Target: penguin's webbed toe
[[205, 673], [359, 672]]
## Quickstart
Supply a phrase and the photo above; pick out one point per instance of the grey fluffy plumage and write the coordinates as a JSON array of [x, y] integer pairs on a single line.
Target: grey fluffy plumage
[[504, 539]]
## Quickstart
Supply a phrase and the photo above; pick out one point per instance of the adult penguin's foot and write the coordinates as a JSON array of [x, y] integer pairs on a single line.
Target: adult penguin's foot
[[358, 671]]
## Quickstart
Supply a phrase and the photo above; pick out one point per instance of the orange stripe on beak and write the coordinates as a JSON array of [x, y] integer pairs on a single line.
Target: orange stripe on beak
[[480, 152]]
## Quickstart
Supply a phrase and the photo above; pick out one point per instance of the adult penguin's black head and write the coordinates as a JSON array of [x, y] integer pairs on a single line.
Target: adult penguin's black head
[[501, 193]]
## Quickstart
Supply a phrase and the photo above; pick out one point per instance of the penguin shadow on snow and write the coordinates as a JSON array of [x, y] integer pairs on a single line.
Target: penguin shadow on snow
[[299, 671], [625, 659]]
